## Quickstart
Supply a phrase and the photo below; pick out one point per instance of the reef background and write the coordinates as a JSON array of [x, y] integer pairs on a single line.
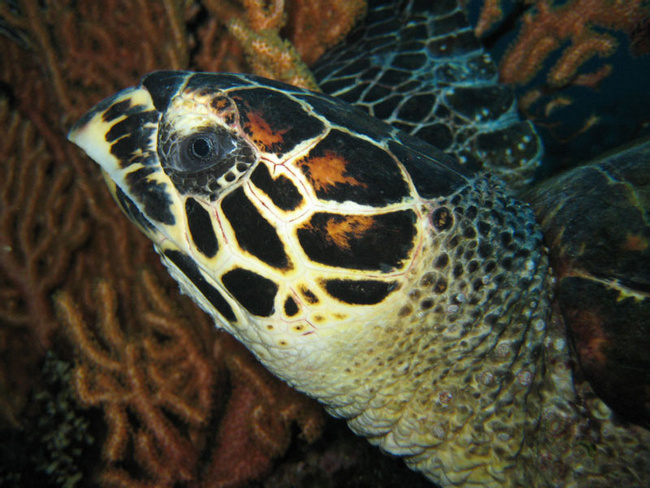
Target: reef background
[[108, 374]]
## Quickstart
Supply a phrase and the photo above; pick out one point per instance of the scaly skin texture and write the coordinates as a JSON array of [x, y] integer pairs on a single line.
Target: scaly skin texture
[[454, 364]]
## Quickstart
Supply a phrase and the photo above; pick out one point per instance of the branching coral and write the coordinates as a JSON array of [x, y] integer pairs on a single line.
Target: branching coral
[[39, 230], [162, 376], [68, 36], [41, 227], [161, 388], [569, 61], [574, 29], [52, 200], [315, 26], [256, 425], [279, 39], [181, 402], [254, 27]]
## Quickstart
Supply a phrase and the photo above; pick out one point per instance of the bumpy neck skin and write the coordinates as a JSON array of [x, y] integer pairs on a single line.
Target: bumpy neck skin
[[456, 375], [467, 375]]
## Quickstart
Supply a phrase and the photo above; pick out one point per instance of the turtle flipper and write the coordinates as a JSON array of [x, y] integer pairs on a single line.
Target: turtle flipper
[[596, 220]]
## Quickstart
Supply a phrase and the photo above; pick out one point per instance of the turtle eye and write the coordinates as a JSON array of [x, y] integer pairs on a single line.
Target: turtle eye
[[201, 151]]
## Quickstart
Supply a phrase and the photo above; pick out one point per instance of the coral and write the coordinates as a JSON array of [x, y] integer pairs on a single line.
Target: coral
[[270, 56], [256, 423], [256, 29], [315, 26], [62, 235], [154, 385], [547, 29], [162, 388], [278, 39], [55, 28], [39, 230], [57, 221], [41, 226], [490, 14], [53, 448], [578, 67]]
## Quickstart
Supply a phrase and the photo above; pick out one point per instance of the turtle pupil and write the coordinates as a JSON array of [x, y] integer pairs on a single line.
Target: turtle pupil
[[201, 151], [201, 148]]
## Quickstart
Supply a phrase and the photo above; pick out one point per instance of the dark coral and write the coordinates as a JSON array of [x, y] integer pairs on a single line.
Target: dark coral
[[52, 447]]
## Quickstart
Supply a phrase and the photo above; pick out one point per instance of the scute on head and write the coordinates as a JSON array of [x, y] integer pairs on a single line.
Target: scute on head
[[236, 164]]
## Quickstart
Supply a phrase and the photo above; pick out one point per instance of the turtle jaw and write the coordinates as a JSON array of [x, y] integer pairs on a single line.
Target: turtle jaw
[[120, 134], [97, 131]]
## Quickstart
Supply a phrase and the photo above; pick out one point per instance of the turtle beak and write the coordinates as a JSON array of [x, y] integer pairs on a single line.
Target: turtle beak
[[118, 129], [120, 134]]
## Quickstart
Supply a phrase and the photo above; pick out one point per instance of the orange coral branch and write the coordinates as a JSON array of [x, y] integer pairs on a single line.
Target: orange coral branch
[[491, 13], [148, 367], [546, 28], [257, 27], [272, 57], [39, 231], [581, 52], [118, 377], [317, 25]]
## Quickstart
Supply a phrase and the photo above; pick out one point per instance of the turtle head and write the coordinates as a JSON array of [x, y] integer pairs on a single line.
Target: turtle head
[[161, 140], [169, 149]]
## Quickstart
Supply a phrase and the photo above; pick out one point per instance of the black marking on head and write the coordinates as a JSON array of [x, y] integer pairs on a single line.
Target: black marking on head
[[201, 229], [342, 114], [253, 232], [359, 292], [163, 85], [152, 194], [433, 173], [370, 242], [117, 110], [214, 82], [131, 210], [280, 190], [101, 108], [132, 136], [266, 82], [342, 168], [255, 293], [273, 120], [290, 307], [442, 219], [189, 269], [309, 295]]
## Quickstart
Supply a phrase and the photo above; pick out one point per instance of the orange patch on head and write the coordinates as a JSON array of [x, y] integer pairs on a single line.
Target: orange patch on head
[[328, 170], [261, 132], [342, 231]]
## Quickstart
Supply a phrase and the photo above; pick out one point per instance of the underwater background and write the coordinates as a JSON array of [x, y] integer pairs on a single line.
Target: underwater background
[[108, 375]]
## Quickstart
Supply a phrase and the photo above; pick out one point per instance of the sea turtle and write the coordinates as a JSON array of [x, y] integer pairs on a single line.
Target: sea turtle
[[408, 292]]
